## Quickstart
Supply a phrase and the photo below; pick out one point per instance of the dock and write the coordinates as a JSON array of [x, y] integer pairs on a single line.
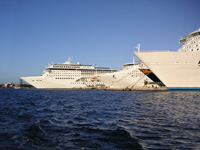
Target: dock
[[138, 89]]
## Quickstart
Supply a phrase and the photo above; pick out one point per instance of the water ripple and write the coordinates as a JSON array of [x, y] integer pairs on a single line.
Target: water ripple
[[81, 119]]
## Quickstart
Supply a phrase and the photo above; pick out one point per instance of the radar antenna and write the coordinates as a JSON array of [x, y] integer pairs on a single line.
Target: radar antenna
[[69, 60]]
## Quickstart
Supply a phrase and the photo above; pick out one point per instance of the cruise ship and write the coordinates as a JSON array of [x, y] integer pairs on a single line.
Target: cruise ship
[[68, 75], [128, 77], [180, 69]]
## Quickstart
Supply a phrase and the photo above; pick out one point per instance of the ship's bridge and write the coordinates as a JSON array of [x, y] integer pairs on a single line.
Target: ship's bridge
[[190, 35]]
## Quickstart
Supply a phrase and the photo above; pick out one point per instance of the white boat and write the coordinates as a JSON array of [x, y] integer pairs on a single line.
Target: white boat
[[128, 77], [180, 69], [16, 87], [68, 75]]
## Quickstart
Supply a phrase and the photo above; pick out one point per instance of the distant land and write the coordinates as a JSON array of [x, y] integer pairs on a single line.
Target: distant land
[[13, 85]]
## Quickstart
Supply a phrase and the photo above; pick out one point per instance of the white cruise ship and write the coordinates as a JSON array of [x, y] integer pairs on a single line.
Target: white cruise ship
[[128, 77], [180, 69], [68, 75]]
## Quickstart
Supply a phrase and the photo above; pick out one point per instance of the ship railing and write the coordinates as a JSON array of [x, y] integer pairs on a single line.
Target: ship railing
[[153, 51]]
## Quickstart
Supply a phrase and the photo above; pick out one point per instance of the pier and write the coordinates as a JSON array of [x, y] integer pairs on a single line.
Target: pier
[[139, 89]]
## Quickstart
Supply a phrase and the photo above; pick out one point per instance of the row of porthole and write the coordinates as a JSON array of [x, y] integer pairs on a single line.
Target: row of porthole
[[83, 83], [65, 78]]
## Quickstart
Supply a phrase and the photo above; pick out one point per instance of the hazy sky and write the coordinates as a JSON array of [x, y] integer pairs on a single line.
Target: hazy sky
[[35, 33]]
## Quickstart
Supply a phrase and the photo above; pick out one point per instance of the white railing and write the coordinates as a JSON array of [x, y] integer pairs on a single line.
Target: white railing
[[153, 51]]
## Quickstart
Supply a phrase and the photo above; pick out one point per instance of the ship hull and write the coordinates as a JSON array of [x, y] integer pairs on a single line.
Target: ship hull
[[124, 79], [45, 83], [119, 82], [177, 70]]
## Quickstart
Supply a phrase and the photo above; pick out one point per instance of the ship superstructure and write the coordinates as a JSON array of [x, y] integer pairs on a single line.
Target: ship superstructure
[[180, 69], [68, 75]]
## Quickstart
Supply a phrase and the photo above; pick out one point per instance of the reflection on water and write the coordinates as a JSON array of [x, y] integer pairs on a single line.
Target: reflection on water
[[81, 119]]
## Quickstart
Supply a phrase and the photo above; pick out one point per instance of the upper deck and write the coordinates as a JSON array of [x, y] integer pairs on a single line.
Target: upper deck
[[189, 36], [72, 66]]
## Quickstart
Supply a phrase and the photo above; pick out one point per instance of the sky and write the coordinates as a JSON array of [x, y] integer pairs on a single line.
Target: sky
[[35, 33]]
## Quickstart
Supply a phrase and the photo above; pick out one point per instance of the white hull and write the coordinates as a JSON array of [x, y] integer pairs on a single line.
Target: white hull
[[177, 70], [120, 83], [45, 83], [126, 78]]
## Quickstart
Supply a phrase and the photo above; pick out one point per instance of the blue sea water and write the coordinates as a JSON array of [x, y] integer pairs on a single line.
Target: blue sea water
[[97, 119]]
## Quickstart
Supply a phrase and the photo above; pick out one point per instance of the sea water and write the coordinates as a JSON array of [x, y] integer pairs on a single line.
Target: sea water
[[97, 119]]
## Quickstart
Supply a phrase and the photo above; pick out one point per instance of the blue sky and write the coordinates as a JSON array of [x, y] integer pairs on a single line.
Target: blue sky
[[34, 33]]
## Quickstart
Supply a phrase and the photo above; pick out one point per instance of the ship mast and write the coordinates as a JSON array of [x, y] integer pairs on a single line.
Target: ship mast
[[138, 47]]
